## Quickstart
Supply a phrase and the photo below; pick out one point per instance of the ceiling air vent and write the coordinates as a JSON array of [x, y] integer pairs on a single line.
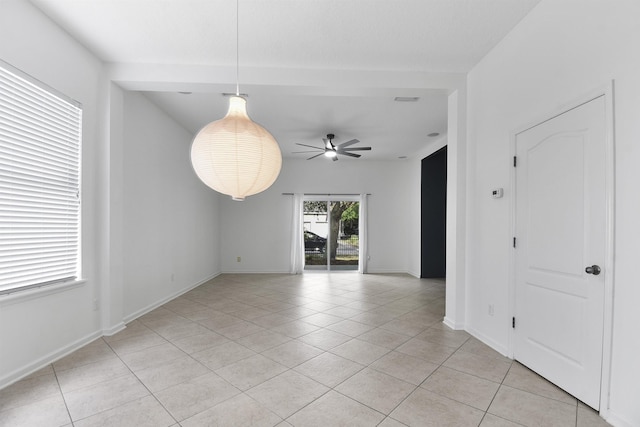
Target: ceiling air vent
[[406, 98]]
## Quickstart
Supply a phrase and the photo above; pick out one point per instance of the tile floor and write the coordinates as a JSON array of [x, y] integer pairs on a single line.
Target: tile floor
[[279, 350]]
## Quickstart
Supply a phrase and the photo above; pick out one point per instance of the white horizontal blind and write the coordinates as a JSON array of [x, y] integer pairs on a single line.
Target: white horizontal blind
[[40, 136]]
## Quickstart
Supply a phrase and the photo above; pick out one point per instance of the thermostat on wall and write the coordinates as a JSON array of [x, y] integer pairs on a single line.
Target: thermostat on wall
[[497, 193]]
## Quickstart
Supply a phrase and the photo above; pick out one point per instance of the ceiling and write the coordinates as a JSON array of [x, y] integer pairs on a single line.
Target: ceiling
[[309, 67]]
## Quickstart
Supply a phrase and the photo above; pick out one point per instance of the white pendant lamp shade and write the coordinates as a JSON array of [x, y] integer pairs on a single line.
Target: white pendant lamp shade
[[234, 155]]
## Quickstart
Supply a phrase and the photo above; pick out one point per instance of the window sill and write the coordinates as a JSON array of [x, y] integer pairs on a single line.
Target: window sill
[[33, 293]]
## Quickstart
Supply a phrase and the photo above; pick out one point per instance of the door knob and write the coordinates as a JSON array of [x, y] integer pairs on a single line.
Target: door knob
[[594, 269]]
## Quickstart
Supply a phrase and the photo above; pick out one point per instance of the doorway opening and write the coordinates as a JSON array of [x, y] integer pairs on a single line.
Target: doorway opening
[[434, 215], [331, 234]]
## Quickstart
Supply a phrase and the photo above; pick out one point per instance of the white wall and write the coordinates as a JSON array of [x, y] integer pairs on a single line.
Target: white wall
[[41, 327], [259, 229], [170, 219], [559, 53]]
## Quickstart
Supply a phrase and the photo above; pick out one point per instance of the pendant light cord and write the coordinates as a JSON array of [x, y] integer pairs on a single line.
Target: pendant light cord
[[237, 48]]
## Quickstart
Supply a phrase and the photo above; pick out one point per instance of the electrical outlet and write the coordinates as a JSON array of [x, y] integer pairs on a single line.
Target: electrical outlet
[[95, 304], [491, 310], [238, 259], [173, 277]]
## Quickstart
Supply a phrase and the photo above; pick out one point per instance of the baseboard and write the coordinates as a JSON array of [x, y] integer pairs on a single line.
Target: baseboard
[[47, 359], [618, 421], [488, 341], [114, 329], [256, 272], [153, 306], [453, 325]]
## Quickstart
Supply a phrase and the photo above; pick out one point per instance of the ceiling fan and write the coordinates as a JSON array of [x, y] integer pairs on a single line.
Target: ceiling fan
[[330, 150]]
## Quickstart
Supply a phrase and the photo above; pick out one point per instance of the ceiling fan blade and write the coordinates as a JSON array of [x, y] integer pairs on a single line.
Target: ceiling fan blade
[[355, 149], [346, 153], [310, 146], [313, 157], [302, 152], [348, 143]]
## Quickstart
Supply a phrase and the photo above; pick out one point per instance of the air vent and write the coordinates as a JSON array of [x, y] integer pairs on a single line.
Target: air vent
[[433, 134], [406, 98]]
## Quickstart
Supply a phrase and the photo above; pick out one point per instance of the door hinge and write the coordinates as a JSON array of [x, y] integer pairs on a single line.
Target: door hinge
[[515, 161], [513, 322], [514, 242]]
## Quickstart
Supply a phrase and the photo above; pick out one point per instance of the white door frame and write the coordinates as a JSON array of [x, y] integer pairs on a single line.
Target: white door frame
[[606, 91]]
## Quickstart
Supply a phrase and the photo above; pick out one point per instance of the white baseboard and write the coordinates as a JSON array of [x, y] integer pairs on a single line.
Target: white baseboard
[[164, 300], [114, 329], [452, 324], [618, 421], [503, 350], [45, 360]]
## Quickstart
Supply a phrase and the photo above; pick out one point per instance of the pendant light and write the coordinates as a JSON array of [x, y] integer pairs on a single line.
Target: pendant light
[[234, 155]]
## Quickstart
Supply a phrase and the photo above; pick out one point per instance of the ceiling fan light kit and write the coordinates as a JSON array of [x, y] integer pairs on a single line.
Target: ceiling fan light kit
[[234, 155], [331, 151]]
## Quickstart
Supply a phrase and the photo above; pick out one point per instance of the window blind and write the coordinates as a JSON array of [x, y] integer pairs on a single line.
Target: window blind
[[40, 133]]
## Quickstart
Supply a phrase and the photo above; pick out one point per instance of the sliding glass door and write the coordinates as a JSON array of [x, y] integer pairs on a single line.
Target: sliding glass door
[[331, 234]]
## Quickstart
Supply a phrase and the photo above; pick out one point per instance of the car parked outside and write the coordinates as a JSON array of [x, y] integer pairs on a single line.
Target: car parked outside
[[314, 243]]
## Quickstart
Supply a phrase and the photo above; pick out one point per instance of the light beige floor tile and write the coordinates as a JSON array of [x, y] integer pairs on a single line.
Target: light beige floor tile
[[132, 329], [372, 318], [350, 328], [42, 371], [530, 409], [292, 353], [344, 312], [336, 410], [390, 422], [384, 338], [152, 356], [29, 390], [379, 391], [324, 339], [464, 388], [405, 327], [220, 321], [196, 343], [425, 409], [263, 340], [239, 411], [197, 395], [287, 393], [588, 417], [479, 365], [475, 346], [329, 369], [322, 319], [298, 312], [434, 353], [239, 330], [405, 367], [295, 329], [222, 355], [362, 352], [447, 336], [136, 343], [144, 412], [182, 331], [250, 372], [92, 352], [91, 374], [171, 373], [272, 320], [50, 411], [491, 420], [91, 400], [523, 378]]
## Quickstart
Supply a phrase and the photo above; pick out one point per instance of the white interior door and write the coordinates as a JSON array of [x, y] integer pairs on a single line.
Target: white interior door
[[561, 232]]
